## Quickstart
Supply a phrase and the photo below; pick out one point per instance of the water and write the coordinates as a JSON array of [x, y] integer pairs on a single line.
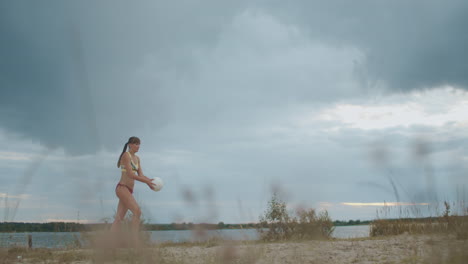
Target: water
[[40, 239], [351, 231], [244, 234], [190, 236], [71, 239]]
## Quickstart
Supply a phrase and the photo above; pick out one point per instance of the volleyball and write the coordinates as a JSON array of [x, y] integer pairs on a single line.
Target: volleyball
[[157, 184]]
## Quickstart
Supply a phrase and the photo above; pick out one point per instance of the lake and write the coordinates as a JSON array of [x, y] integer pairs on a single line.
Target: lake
[[68, 239]]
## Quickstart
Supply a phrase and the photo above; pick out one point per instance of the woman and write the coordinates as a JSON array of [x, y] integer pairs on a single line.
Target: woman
[[130, 165]]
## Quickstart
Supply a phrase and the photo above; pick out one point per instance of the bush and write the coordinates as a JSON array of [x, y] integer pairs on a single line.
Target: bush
[[277, 224]]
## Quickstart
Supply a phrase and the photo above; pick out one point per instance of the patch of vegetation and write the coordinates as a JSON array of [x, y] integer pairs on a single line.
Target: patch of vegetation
[[278, 224], [444, 224]]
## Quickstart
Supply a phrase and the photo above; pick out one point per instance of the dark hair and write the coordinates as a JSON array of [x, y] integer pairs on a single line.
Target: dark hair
[[131, 140]]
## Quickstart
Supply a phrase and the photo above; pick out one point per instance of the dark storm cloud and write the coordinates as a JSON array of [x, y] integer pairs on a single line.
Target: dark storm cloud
[[73, 74], [65, 67], [408, 44], [42, 94]]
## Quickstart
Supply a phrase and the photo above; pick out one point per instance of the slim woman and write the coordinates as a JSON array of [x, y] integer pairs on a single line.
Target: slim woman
[[130, 166]]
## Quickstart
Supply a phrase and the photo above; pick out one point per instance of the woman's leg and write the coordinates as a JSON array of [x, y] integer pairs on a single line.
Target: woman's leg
[[119, 216], [129, 202]]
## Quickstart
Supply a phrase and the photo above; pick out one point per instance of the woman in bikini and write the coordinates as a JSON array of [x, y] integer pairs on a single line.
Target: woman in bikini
[[130, 165]]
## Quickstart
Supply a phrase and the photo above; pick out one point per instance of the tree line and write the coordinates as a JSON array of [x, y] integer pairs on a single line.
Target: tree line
[[6, 227]]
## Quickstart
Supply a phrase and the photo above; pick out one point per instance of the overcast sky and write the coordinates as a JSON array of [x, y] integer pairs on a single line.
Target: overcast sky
[[337, 105]]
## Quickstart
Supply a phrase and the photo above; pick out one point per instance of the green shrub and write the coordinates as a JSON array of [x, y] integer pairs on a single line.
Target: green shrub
[[277, 224]]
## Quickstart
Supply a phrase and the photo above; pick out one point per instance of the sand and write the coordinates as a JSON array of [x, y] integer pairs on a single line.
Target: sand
[[397, 249], [394, 249]]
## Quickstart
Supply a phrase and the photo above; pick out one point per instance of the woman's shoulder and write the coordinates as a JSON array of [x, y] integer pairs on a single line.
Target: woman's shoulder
[[125, 156]]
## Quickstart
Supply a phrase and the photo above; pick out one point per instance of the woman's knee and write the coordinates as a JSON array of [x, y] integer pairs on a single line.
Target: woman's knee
[[137, 212]]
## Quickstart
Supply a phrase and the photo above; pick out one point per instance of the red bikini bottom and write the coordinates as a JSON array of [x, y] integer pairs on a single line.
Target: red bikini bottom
[[129, 189]]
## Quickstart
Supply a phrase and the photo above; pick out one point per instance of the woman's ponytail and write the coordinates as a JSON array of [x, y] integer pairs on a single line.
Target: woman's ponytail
[[123, 151]]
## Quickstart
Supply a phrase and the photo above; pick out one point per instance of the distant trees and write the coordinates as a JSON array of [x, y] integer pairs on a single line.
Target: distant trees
[[350, 222], [277, 214], [6, 227]]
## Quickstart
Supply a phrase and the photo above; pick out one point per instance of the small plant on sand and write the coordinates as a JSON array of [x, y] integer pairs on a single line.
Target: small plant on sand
[[276, 220], [278, 224]]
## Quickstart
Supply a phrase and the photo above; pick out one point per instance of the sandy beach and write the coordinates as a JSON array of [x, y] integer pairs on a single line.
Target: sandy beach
[[392, 249]]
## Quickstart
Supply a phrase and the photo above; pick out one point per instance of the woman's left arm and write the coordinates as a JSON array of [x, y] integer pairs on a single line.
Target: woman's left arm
[[140, 172]]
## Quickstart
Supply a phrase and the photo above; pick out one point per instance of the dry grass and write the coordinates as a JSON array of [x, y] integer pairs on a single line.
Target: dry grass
[[457, 225], [442, 224], [453, 249]]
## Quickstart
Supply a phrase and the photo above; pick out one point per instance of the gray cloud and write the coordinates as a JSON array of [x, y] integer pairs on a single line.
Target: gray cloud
[[39, 99], [67, 69], [88, 75], [408, 44]]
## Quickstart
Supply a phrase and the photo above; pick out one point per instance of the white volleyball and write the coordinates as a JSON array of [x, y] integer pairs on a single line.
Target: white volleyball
[[157, 184]]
